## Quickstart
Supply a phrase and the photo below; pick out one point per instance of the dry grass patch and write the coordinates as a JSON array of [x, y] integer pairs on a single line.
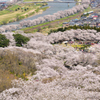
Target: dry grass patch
[[15, 65], [5, 80]]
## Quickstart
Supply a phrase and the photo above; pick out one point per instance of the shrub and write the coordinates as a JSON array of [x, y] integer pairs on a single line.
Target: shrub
[[4, 42], [25, 9], [5, 80], [26, 15], [74, 27], [20, 39], [18, 17], [18, 8], [11, 21], [37, 10], [13, 66], [4, 22], [15, 9], [31, 13], [39, 29]]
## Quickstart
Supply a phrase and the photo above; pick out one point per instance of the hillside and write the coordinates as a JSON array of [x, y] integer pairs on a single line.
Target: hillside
[[20, 11], [63, 64], [59, 68]]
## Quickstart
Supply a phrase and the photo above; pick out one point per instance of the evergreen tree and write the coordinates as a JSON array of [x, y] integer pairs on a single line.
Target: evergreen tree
[[4, 42], [20, 39]]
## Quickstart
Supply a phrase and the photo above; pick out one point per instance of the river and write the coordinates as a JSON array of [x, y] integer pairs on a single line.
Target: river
[[54, 7]]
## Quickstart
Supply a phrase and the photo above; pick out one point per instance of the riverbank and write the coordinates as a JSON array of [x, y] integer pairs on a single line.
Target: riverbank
[[36, 0], [46, 27], [20, 11], [38, 12]]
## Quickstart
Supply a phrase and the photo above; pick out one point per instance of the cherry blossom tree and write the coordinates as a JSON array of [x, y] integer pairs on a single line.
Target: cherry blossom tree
[[57, 15], [62, 72]]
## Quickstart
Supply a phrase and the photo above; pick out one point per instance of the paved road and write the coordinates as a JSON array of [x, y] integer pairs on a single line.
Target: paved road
[[59, 22], [51, 2]]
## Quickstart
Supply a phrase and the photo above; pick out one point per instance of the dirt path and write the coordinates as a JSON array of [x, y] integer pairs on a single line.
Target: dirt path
[[53, 23], [29, 12], [58, 22]]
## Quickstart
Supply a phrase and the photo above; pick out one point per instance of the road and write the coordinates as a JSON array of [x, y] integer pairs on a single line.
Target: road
[[53, 24], [50, 2]]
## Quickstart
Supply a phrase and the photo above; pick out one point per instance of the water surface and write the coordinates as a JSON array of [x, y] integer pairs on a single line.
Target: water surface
[[54, 7]]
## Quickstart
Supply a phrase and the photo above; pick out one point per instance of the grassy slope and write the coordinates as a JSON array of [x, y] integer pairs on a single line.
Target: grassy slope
[[11, 13], [12, 67], [31, 0], [46, 27]]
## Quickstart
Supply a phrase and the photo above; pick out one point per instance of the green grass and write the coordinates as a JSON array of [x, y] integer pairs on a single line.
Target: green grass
[[32, 0], [13, 8], [28, 28], [27, 0], [88, 9], [18, 12], [60, 25], [73, 27], [4, 12], [80, 46], [45, 8]]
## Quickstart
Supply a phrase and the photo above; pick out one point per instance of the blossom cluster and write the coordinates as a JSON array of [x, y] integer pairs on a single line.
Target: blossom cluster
[[82, 35], [46, 18], [63, 73]]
